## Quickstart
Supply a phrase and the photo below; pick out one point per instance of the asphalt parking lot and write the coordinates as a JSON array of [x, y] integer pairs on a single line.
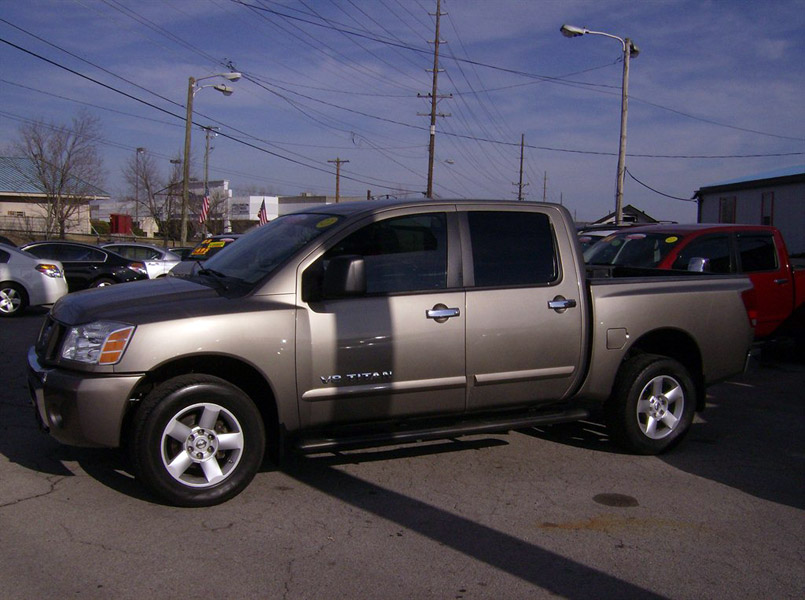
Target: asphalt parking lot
[[550, 513]]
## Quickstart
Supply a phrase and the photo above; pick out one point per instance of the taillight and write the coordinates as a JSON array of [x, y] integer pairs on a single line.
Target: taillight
[[49, 270], [750, 303], [139, 267]]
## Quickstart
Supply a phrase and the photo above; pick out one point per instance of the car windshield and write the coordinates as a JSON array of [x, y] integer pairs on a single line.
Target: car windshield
[[632, 249], [266, 248]]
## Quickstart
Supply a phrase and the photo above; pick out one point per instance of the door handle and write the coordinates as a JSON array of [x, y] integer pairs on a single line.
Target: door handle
[[782, 281], [560, 303], [440, 313]]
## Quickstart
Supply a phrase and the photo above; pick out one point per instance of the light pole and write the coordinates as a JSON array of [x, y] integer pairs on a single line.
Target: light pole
[[137, 185], [192, 88], [629, 50]]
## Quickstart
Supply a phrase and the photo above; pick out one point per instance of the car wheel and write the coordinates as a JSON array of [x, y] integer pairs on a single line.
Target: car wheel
[[197, 440], [102, 282], [13, 300], [652, 405]]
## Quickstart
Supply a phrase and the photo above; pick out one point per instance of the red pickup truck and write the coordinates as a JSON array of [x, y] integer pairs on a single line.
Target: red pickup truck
[[757, 251]]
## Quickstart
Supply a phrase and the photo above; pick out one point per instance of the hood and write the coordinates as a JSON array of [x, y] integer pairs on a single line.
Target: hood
[[138, 302]]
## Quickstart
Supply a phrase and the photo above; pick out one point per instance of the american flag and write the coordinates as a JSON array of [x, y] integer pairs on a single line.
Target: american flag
[[205, 207], [262, 216]]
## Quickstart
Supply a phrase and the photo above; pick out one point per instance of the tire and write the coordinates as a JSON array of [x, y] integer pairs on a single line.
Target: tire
[[197, 440], [13, 300], [102, 282], [652, 405]]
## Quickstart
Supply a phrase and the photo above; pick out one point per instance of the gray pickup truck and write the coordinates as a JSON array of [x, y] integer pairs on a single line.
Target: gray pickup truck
[[379, 322]]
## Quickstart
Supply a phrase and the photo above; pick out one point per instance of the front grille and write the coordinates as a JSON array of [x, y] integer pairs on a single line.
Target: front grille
[[47, 345]]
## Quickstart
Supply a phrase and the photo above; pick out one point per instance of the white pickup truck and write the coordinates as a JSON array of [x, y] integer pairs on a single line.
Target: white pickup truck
[[379, 322]]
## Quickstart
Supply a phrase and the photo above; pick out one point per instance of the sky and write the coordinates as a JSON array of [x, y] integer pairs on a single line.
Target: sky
[[716, 93]]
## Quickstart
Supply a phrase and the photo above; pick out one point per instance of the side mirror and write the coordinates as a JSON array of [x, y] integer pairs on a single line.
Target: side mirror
[[699, 264], [338, 277], [344, 276]]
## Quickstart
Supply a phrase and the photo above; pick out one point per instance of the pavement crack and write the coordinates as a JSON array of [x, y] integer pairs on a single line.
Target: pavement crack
[[53, 483]]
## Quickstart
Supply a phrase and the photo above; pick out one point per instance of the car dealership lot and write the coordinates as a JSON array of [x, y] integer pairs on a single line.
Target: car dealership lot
[[552, 513]]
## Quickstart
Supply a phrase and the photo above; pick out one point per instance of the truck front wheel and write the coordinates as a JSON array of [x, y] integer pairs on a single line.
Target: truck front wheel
[[197, 440], [652, 405]]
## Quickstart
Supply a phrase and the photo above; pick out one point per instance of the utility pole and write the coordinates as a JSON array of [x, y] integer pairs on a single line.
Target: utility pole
[[520, 185], [434, 97], [545, 187], [629, 50], [188, 125], [209, 131], [338, 162]]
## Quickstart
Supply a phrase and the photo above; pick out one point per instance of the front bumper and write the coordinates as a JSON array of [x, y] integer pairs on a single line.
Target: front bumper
[[79, 409]]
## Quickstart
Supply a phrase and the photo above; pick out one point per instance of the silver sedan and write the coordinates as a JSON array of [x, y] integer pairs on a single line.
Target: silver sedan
[[26, 280], [158, 261]]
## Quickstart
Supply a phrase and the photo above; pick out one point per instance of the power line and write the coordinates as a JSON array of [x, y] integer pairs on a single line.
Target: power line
[[561, 80], [657, 191]]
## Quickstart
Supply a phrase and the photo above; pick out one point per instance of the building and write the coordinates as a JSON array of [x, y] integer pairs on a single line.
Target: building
[[631, 215], [24, 202], [244, 209], [773, 198]]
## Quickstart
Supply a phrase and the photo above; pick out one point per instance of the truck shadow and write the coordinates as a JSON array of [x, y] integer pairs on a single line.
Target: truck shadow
[[528, 561], [749, 437]]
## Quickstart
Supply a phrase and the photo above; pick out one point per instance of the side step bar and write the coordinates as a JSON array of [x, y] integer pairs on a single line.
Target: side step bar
[[402, 436]]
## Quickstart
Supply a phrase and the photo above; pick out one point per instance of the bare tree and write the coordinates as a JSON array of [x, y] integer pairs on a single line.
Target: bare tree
[[67, 167], [157, 197]]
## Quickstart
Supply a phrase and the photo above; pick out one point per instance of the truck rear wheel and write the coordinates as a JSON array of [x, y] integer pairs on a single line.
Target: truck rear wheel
[[652, 405], [197, 440]]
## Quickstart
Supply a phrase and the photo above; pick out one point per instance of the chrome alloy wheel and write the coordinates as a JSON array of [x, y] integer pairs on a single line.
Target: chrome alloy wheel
[[10, 300], [202, 445], [660, 407]]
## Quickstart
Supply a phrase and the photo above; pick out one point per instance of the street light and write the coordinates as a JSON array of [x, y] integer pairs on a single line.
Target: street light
[[629, 50], [192, 88]]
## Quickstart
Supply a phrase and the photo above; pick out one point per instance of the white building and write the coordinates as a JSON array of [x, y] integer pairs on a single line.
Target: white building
[[246, 208], [774, 198]]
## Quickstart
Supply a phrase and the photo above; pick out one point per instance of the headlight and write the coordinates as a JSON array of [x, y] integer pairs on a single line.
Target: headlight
[[99, 343]]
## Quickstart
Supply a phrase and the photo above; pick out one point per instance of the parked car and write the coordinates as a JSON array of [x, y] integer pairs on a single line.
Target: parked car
[[182, 251], [758, 251], [28, 281], [202, 251], [590, 234], [158, 261], [380, 322], [87, 266]]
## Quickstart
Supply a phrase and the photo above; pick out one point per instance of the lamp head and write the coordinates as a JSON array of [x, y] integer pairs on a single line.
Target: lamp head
[[572, 31], [224, 89], [234, 76]]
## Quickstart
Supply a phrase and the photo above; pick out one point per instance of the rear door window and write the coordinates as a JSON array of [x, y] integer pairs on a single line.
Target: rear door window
[[512, 248], [757, 252]]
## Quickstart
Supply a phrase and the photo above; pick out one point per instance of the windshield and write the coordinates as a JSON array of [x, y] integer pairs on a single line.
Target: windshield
[[632, 249], [261, 251]]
